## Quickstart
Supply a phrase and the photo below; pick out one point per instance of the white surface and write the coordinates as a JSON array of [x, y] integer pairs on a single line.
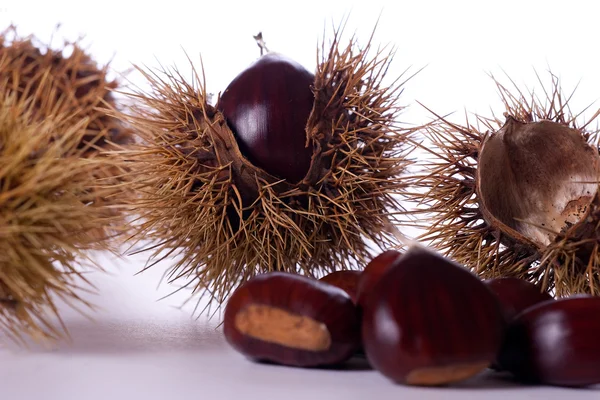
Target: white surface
[[141, 348], [138, 348]]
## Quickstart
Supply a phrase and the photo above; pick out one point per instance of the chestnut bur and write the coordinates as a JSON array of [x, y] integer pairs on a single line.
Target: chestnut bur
[[292, 320], [429, 321], [62, 190], [291, 170], [555, 343], [518, 195]]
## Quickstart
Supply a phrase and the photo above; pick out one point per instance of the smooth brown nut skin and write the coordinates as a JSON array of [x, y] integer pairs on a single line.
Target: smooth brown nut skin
[[345, 280], [556, 343], [516, 295], [302, 296], [267, 107], [373, 272], [428, 313]]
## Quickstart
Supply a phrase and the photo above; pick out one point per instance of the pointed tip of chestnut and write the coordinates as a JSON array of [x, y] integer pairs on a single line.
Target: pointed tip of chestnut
[[555, 343], [292, 320], [267, 107], [429, 321], [373, 271]]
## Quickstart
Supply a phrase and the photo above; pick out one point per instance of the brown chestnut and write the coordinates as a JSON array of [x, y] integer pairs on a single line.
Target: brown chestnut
[[267, 107], [346, 280], [373, 271], [429, 321], [292, 320], [555, 343], [516, 295]]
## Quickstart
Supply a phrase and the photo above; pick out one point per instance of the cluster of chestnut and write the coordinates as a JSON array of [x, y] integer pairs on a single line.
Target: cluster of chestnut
[[420, 319]]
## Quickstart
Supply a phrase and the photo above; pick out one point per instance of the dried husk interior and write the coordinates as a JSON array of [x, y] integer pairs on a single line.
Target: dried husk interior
[[228, 220], [536, 179], [561, 257]]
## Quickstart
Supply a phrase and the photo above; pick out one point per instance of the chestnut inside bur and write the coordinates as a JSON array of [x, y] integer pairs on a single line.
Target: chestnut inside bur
[[345, 280], [555, 343], [429, 321], [373, 272], [292, 320], [267, 107], [516, 295]]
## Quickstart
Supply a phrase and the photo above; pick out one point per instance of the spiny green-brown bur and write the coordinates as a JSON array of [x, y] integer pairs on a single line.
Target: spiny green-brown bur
[[60, 191], [518, 198], [210, 193]]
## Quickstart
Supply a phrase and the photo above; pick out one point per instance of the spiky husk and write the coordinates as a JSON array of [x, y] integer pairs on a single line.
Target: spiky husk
[[193, 183], [448, 201], [67, 82], [57, 83], [49, 214], [60, 194]]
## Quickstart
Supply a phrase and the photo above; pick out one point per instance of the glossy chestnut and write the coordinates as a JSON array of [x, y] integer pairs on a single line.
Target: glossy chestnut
[[429, 321], [346, 280], [373, 272], [555, 343], [516, 295], [267, 107], [292, 320]]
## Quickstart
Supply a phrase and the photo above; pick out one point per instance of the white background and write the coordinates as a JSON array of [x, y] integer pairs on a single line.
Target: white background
[[140, 348]]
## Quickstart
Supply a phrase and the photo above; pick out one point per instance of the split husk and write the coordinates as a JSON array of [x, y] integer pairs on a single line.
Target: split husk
[[516, 196], [227, 220], [59, 191]]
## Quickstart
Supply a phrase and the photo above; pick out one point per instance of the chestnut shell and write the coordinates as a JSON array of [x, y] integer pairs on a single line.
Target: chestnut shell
[[346, 280], [555, 343], [301, 296], [427, 312], [373, 272], [516, 295], [267, 107]]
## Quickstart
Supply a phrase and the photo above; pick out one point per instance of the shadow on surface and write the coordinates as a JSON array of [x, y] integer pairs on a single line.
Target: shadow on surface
[[120, 336], [356, 363], [489, 380]]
